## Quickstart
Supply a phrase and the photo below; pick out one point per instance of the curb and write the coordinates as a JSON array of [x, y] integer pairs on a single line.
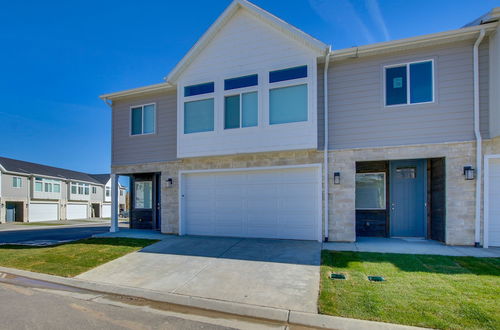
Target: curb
[[21, 227], [261, 312]]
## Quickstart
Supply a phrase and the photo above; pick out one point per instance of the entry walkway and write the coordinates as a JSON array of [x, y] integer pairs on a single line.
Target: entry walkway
[[410, 246]]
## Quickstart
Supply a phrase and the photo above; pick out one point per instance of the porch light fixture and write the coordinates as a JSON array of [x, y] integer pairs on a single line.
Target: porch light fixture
[[469, 172], [170, 182], [336, 178]]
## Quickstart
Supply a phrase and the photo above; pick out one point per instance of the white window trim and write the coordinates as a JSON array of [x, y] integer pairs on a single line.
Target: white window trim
[[142, 110], [17, 179], [385, 193], [407, 64]]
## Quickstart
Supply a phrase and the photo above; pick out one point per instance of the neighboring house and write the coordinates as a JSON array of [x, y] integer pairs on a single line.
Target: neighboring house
[[32, 192], [105, 179], [234, 142]]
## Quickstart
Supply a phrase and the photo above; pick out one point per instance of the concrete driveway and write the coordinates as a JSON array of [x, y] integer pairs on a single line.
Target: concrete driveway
[[272, 273]]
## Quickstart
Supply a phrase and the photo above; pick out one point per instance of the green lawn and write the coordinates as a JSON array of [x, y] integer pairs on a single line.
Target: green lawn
[[421, 290], [69, 259]]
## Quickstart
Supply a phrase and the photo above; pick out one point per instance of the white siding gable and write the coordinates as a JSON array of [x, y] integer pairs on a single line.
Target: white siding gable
[[246, 45]]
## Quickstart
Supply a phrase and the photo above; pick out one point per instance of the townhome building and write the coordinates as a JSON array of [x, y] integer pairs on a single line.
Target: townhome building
[[32, 192], [264, 131]]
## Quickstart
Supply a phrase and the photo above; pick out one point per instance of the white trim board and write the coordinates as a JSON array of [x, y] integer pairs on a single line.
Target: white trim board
[[486, 199]]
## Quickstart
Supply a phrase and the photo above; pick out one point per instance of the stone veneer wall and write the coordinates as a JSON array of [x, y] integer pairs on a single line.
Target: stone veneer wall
[[460, 193], [460, 196]]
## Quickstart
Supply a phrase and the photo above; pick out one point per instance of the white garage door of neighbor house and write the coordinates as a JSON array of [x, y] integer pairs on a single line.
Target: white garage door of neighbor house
[[494, 202], [274, 203], [106, 211], [43, 212], [76, 211]]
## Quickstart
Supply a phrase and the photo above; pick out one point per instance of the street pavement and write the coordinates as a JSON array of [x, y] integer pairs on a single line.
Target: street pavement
[[32, 307], [51, 233]]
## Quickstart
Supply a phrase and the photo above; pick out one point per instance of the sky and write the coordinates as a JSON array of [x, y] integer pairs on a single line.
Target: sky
[[57, 57]]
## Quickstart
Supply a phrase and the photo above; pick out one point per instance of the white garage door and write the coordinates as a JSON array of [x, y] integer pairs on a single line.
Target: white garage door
[[494, 202], [106, 211], [276, 203], [43, 212], [76, 211]]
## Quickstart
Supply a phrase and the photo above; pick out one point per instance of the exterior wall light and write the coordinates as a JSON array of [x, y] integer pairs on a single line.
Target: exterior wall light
[[469, 172], [336, 178], [170, 182]]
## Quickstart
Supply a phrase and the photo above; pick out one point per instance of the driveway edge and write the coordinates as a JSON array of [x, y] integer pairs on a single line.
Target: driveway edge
[[261, 312]]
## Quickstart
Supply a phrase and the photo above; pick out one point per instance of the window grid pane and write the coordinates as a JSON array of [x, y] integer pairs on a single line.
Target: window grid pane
[[232, 112], [395, 85], [136, 121], [149, 119], [199, 116], [249, 111], [421, 82], [288, 104]]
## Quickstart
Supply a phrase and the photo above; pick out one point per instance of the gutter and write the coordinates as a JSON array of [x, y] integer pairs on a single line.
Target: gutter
[[325, 146], [479, 140]]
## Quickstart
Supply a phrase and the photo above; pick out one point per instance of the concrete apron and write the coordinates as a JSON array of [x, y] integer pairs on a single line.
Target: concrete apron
[[280, 274]]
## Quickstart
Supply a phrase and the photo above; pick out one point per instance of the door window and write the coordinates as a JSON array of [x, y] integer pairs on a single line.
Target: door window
[[143, 195], [406, 172]]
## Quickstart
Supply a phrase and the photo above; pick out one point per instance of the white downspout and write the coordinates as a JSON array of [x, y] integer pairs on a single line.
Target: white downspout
[[479, 141], [325, 146]]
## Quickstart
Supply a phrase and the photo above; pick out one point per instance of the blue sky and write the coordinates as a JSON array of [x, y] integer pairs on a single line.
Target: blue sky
[[57, 57]]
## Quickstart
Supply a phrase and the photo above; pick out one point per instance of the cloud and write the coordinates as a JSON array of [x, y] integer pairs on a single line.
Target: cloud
[[342, 13], [374, 11]]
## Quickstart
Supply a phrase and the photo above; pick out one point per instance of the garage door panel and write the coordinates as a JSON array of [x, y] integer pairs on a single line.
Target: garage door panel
[[43, 212], [106, 211], [76, 211], [253, 203]]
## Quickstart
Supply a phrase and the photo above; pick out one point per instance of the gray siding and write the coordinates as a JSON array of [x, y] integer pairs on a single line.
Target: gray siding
[[161, 146], [358, 117], [484, 88], [11, 193]]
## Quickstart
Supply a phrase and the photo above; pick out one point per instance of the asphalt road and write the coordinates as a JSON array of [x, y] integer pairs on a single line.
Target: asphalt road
[[53, 308], [51, 233]]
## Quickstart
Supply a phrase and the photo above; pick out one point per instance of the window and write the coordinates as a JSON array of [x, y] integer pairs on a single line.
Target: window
[[240, 82], [406, 172], [288, 104], [108, 191], [86, 189], [80, 188], [17, 182], [94, 190], [57, 188], [199, 89], [48, 187], [74, 188], [143, 195], [241, 110], [143, 119], [199, 116], [288, 74], [409, 83], [121, 192], [370, 191], [38, 186]]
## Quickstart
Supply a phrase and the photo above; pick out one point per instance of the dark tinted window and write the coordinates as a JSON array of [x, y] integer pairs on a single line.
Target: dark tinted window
[[421, 82], [395, 85], [288, 74], [199, 89], [240, 82]]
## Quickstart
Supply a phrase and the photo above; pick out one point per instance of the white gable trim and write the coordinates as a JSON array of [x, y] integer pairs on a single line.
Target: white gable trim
[[228, 13]]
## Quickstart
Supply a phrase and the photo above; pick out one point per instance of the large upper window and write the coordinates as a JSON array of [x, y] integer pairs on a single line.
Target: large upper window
[[370, 191], [80, 188], [143, 119], [47, 185], [288, 104], [199, 116], [17, 182], [409, 83], [241, 110]]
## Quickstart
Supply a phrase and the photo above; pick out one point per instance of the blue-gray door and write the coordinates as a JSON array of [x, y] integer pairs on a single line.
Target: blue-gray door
[[408, 197], [11, 212]]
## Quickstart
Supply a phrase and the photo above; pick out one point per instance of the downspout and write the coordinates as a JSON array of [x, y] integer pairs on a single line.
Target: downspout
[[479, 141], [325, 146]]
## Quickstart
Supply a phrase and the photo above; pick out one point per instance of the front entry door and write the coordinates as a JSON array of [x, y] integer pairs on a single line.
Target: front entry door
[[408, 198], [144, 201]]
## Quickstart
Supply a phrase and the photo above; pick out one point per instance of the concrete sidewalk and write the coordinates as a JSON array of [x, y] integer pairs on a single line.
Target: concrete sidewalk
[[411, 246]]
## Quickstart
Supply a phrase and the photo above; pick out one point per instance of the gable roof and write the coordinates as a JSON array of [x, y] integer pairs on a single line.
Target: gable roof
[[102, 178], [228, 13], [28, 168]]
